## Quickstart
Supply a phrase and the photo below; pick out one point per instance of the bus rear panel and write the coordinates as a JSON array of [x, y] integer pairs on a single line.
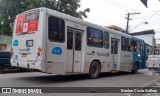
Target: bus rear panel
[[27, 40]]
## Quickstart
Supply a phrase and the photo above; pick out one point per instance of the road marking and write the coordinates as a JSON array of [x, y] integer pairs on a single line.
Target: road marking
[[151, 83]]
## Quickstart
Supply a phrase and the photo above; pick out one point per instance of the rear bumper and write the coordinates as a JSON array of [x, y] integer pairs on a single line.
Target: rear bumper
[[30, 65]]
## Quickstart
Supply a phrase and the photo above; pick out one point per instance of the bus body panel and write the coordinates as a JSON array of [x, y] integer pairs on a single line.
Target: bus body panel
[[73, 54], [64, 62]]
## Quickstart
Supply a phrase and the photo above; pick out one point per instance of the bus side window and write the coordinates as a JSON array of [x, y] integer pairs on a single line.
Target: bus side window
[[56, 29], [94, 37], [128, 44], [132, 45], [123, 43], [137, 47], [106, 40]]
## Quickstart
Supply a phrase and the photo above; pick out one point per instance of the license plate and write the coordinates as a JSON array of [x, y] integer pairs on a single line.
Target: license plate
[[29, 43]]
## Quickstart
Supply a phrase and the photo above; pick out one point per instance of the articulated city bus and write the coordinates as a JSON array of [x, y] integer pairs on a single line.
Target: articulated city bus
[[54, 42]]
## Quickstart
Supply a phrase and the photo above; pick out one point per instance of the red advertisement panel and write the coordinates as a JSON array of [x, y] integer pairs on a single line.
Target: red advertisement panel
[[27, 23], [20, 23], [32, 26]]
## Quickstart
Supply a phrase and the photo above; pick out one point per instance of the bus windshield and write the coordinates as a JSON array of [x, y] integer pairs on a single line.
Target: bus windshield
[[27, 23]]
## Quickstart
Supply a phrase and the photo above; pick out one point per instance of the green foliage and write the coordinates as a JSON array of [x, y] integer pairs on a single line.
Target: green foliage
[[10, 8]]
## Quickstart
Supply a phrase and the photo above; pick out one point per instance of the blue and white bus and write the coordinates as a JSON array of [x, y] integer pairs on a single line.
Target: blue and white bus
[[54, 42]]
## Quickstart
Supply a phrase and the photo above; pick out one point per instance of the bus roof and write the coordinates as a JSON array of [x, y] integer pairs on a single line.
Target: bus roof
[[135, 38], [82, 22]]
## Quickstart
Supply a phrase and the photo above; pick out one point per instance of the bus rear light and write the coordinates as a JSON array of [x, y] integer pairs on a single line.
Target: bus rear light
[[39, 49], [38, 53]]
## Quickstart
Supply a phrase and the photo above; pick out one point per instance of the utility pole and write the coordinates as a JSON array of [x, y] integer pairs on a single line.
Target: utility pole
[[128, 18]]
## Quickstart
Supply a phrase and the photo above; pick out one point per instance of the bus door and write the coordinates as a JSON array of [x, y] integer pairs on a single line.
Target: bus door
[[74, 50], [143, 56], [114, 54]]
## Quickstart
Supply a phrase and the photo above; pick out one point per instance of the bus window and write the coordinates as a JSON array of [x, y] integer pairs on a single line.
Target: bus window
[[106, 40], [78, 41], [129, 45], [69, 39], [138, 47], [123, 43], [116, 47], [94, 37], [56, 29]]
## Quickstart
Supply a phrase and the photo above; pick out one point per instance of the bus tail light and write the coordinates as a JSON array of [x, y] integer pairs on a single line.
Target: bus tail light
[[39, 51]]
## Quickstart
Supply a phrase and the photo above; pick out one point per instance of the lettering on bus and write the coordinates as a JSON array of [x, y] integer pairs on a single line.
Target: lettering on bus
[[24, 50], [99, 54], [127, 56], [90, 53]]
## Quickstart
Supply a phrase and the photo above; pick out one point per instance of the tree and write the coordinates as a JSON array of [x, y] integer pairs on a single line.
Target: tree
[[10, 8]]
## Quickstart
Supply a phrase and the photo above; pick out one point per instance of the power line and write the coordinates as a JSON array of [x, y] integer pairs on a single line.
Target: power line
[[145, 20], [121, 6], [127, 7], [115, 5]]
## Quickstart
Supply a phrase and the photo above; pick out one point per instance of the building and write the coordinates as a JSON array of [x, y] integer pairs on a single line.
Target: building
[[5, 43], [116, 28], [149, 38], [158, 49]]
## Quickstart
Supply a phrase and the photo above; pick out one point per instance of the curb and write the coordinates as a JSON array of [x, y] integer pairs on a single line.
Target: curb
[[149, 84]]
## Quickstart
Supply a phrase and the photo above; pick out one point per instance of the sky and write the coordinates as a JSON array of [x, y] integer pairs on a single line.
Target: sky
[[113, 12]]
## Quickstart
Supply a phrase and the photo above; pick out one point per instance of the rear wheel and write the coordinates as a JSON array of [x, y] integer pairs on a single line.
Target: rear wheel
[[135, 70], [94, 70], [1, 69]]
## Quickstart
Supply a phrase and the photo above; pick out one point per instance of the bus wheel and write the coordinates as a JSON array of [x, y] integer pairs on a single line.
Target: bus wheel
[[135, 70], [1, 69], [94, 70]]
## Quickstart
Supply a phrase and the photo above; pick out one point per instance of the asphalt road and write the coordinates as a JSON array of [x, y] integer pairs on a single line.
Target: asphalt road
[[37, 79]]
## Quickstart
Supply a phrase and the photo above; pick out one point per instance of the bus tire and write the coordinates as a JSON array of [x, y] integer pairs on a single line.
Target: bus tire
[[1, 69], [94, 70], [135, 70]]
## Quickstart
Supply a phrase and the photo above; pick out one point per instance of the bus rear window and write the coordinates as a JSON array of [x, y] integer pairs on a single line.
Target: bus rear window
[[27, 23]]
